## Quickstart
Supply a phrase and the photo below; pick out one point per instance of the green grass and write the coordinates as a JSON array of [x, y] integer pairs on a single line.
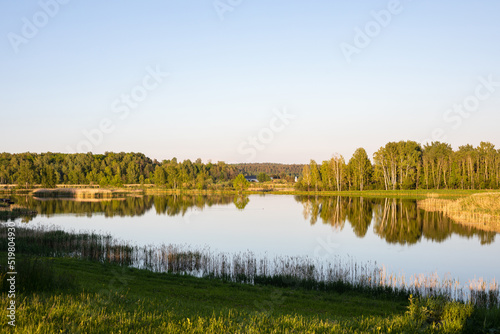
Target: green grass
[[106, 298]]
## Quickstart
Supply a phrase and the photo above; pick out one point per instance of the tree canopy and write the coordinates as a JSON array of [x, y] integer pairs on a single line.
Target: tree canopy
[[396, 165], [408, 165]]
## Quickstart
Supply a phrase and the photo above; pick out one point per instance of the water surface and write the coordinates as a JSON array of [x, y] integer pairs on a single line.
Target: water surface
[[390, 232]]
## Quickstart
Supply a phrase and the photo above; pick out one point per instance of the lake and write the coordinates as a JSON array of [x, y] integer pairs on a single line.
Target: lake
[[389, 232]]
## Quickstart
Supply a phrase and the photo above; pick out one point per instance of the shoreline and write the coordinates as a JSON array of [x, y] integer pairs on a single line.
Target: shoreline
[[95, 192]]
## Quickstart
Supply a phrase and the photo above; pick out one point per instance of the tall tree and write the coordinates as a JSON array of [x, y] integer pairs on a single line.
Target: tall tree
[[159, 177], [386, 159], [315, 175], [361, 168], [240, 183], [306, 177], [26, 175], [338, 167]]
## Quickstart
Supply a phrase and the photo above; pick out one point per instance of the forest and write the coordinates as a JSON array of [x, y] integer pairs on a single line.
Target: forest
[[116, 169], [397, 165], [407, 165]]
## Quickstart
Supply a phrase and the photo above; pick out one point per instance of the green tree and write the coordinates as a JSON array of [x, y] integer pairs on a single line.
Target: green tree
[[48, 177], [26, 176], [263, 177], [315, 175], [436, 160], [159, 178], [386, 160], [361, 168], [132, 173], [240, 183], [306, 179], [117, 181], [338, 170]]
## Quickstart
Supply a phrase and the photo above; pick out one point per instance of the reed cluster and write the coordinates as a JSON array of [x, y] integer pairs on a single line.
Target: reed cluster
[[480, 210], [245, 267]]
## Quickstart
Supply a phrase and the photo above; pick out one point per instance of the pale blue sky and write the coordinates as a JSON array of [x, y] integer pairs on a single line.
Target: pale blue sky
[[227, 76]]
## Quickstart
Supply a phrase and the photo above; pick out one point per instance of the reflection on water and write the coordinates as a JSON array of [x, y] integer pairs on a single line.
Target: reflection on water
[[394, 220], [171, 205], [397, 221]]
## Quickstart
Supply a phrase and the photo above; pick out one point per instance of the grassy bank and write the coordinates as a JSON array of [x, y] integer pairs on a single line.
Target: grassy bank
[[89, 287], [481, 210], [92, 297], [337, 274]]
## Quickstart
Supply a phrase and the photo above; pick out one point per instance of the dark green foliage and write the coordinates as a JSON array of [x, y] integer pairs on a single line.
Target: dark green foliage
[[263, 177], [110, 169], [282, 171], [37, 274]]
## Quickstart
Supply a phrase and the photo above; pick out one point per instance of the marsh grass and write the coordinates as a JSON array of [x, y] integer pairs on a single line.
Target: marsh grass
[[480, 210], [340, 275], [48, 241], [83, 192]]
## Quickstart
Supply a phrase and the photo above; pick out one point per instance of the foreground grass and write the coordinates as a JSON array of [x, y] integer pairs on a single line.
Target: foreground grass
[[105, 298]]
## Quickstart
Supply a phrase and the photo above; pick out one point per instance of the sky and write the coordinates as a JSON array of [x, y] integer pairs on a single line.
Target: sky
[[247, 80]]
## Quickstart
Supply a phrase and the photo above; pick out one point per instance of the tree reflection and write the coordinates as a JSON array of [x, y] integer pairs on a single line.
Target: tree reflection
[[331, 210], [397, 221], [131, 206], [360, 214], [241, 201]]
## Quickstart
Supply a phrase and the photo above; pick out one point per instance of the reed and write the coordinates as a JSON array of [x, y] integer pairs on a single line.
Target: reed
[[479, 210], [83, 192], [339, 275]]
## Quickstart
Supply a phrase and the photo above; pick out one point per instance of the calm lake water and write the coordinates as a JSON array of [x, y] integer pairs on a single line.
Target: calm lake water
[[391, 232]]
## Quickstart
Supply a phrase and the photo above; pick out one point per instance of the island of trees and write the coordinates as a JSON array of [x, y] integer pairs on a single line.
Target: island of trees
[[397, 165]]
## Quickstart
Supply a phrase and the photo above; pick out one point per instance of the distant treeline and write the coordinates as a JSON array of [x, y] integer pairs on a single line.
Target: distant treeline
[[116, 169], [110, 169], [407, 165], [397, 165], [275, 170]]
